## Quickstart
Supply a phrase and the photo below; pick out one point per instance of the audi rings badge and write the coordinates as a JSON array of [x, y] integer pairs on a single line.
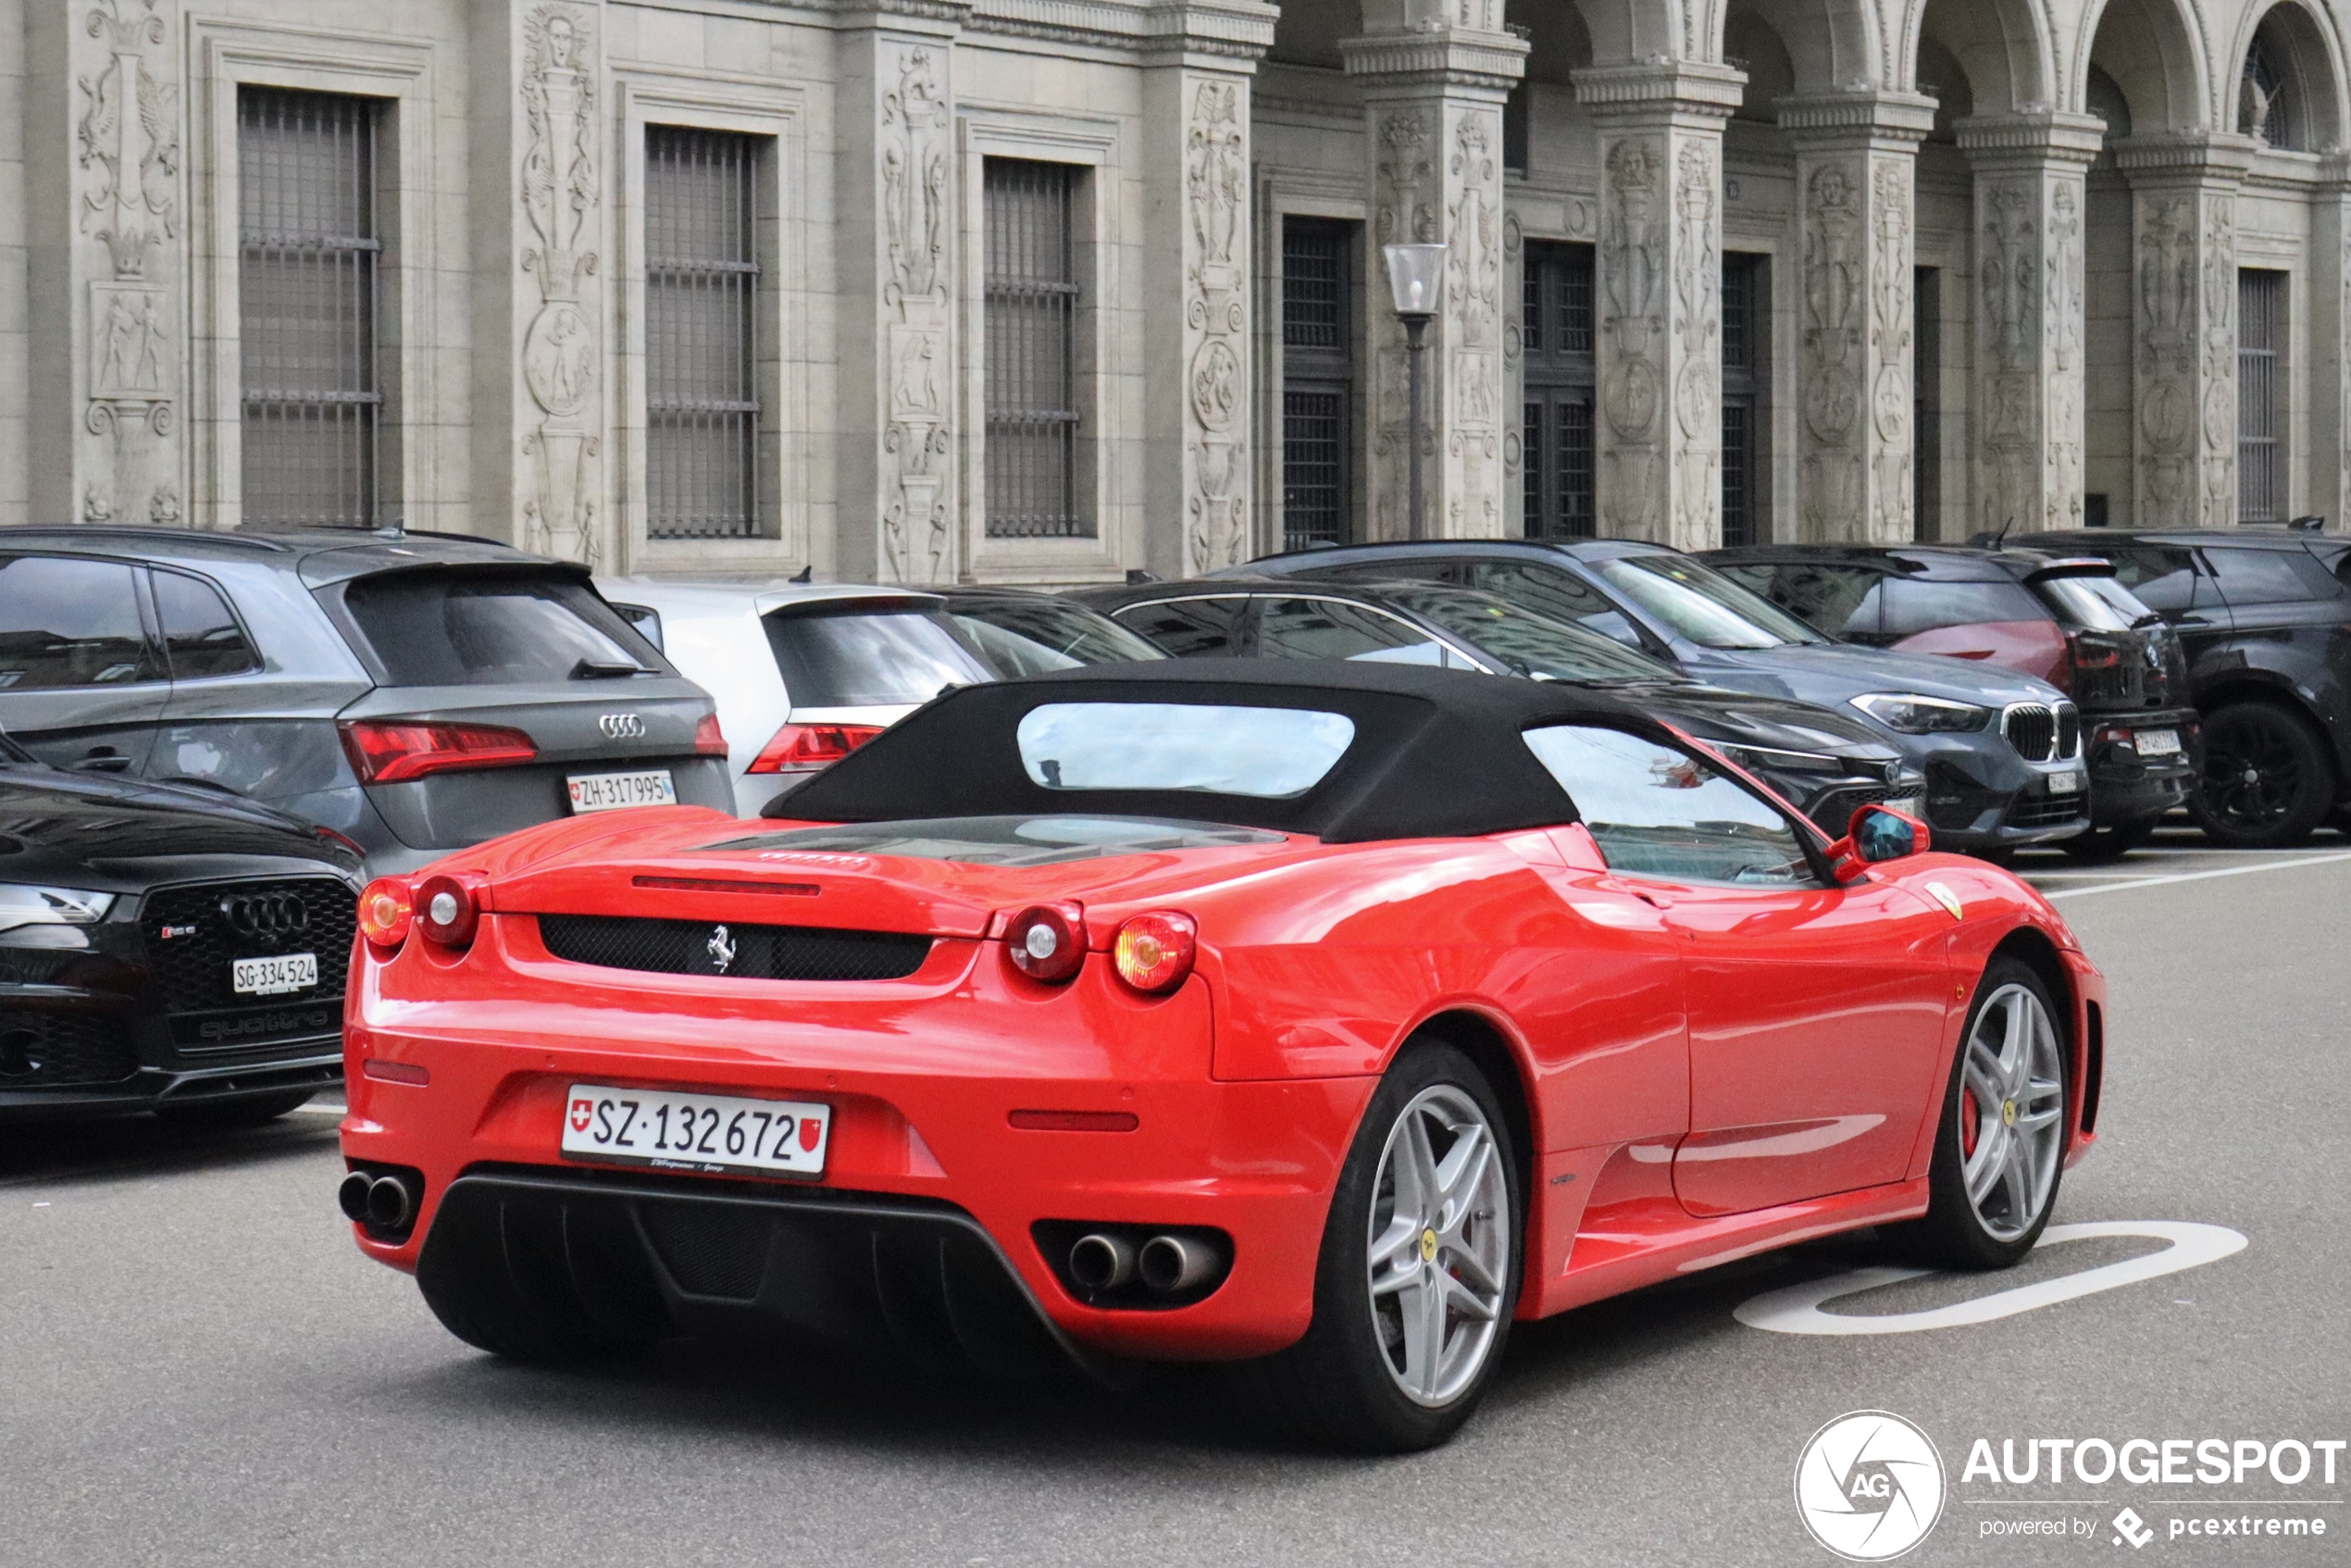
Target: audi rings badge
[[622, 726], [266, 916]]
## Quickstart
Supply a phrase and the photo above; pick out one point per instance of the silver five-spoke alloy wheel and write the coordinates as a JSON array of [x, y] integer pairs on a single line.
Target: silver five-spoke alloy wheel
[[1439, 1245], [2011, 1112]]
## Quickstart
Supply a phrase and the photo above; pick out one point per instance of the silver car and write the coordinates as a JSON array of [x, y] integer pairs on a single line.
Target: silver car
[[412, 694]]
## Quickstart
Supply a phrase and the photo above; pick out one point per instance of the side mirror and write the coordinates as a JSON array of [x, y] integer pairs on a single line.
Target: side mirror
[[1876, 833]]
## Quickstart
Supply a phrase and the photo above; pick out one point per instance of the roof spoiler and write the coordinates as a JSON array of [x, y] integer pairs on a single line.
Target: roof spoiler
[[2314, 523], [2072, 565]]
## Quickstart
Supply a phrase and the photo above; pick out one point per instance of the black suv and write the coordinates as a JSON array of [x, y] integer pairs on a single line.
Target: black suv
[[2063, 619], [2264, 616]]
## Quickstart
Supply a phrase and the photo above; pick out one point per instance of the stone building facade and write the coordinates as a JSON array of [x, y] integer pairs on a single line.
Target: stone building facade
[[1049, 291]]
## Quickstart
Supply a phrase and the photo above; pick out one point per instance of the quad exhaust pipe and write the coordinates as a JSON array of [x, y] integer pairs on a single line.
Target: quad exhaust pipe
[[1105, 1261], [380, 1202]]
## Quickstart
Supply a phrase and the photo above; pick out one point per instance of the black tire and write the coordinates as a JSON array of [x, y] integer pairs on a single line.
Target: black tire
[[1952, 1234], [1994, 854], [507, 1287], [223, 1115], [2097, 845], [1337, 1386], [2268, 782]]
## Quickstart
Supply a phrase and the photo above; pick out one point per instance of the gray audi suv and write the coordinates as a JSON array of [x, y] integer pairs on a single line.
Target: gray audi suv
[[411, 692]]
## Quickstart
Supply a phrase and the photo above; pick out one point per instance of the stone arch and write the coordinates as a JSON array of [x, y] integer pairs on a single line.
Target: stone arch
[[2296, 35], [1831, 44], [2003, 49], [1558, 42], [2152, 51], [1307, 31], [1625, 32], [1751, 40]]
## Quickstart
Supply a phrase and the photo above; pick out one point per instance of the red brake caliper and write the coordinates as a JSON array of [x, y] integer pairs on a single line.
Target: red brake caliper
[[1969, 1119]]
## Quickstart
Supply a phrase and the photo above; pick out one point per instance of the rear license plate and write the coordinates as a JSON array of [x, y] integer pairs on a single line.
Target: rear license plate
[[2159, 742], [279, 976], [2064, 783], [696, 1132], [610, 791]]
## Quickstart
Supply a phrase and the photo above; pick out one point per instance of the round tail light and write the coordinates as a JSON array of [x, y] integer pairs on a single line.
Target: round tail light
[[1154, 952], [445, 911], [385, 909], [1047, 941]]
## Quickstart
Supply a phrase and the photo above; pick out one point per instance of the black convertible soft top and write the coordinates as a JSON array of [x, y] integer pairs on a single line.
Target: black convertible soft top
[[1436, 753]]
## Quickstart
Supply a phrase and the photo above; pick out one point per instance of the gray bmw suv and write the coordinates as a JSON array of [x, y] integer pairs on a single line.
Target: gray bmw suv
[[412, 693]]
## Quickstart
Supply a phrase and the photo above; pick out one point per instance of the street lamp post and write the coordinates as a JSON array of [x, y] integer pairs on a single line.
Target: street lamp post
[[1414, 275]]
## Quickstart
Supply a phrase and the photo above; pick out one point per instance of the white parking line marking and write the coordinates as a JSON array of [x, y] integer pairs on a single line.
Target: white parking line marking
[[1797, 1308], [315, 1109], [2199, 876]]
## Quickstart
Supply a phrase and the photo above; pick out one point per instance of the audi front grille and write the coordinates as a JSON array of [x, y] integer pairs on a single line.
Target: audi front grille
[[193, 933]]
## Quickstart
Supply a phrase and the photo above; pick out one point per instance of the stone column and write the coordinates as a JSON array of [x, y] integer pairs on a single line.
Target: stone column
[[895, 228], [1196, 283], [542, 398], [2329, 294], [1659, 434], [1856, 155], [2183, 340], [2027, 426], [1433, 104], [105, 218]]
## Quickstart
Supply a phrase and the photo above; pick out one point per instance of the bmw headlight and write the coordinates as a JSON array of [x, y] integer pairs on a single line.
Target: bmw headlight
[[21, 903], [1910, 714]]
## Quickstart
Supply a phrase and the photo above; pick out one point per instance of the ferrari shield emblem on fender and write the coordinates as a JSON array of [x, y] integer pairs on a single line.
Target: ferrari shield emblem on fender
[[1944, 897], [721, 948]]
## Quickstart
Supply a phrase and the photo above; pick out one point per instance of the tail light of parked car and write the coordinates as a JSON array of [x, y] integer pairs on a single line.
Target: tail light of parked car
[[709, 740], [2100, 668], [805, 748], [447, 911], [387, 908], [390, 751]]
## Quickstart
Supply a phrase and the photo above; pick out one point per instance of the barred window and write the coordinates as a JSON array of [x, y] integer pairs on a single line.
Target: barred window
[[2260, 396], [1746, 318], [308, 249], [702, 331], [1030, 309], [1318, 381], [1555, 322]]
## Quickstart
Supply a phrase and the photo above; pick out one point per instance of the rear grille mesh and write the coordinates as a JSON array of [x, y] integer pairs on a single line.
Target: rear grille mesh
[[315, 914], [50, 1050], [750, 953]]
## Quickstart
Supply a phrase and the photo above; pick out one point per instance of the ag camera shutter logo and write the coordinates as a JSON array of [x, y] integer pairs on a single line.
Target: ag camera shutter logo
[[1868, 1485]]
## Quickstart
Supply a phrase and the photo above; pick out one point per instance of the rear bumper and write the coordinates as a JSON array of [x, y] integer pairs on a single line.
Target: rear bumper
[[2126, 787], [917, 1277], [922, 1092], [321, 1068]]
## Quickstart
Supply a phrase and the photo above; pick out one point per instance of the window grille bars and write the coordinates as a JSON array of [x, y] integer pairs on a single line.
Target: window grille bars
[[1556, 430], [1318, 381], [2260, 395], [1029, 309], [308, 249], [702, 334]]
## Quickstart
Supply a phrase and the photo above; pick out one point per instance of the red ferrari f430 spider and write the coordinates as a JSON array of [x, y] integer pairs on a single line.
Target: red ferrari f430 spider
[[1320, 1019]]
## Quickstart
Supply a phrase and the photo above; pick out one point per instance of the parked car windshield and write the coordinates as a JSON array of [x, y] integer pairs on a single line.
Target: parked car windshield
[[498, 628], [853, 658], [1528, 643], [1032, 637], [2093, 603], [1701, 604], [1270, 754]]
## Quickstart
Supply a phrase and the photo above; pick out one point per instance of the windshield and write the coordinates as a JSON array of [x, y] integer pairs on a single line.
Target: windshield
[[1528, 643], [845, 659], [1699, 605], [1270, 753], [495, 628], [2093, 603], [1033, 637]]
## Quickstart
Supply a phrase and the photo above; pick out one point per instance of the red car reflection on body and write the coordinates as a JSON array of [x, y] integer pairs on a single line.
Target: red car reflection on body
[[1321, 1018]]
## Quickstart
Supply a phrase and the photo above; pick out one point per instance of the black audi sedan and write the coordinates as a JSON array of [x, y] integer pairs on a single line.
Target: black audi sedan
[[2264, 616], [1825, 764], [2002, 752], [164, 949], [2065, 620]]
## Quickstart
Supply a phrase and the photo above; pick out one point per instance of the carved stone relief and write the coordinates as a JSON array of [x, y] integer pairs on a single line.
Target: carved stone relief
[[1890, 326], [916, 538], [1835, 309], [2167, 344], [1632, 276], [1404, 176], [1697, 273], [2062, 316], [1216, 324], [128, 185], [2009, 272], [562, 364], [2217, 460], [1473, 290]]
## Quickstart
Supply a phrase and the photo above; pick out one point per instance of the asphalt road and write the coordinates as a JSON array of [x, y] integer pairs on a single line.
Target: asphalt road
[[196, 1367]]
